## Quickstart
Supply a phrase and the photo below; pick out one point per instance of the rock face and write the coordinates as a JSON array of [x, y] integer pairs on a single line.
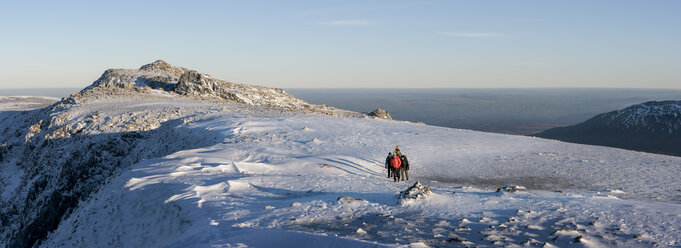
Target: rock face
[[380, 113], [651, 126]]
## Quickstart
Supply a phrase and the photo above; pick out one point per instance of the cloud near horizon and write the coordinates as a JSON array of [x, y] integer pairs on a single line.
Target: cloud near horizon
[[473, 35], [358, 23]]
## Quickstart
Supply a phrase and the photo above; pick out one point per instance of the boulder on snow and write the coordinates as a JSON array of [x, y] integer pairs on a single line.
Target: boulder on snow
[[416, 191], [459, 240], [511, 188], [349, 198], [380, 113]]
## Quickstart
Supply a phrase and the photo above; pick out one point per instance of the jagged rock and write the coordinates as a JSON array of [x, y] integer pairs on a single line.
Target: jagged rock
[[162, 66], [579, 239], [380, 113], [416, 191], [511, 188]]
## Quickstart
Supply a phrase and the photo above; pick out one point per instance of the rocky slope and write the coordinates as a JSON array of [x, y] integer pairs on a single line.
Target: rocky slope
[[164, 77], [53, 158], [651, 126]]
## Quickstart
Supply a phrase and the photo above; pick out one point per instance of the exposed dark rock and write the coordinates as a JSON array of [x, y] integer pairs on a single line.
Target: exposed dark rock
[[416, 191], [380, 113], [511, 188]]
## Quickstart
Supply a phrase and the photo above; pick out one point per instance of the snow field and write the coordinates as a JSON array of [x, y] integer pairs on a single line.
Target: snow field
[[265, 184]]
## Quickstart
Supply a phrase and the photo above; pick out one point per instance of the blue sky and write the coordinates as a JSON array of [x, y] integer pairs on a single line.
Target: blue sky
[[355, 44]]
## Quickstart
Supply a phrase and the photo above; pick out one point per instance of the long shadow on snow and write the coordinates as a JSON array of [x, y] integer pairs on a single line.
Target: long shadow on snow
[[331, 196], [350, 164]]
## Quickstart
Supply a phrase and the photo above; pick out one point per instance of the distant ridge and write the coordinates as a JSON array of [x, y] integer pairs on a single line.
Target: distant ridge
[[653, 126]]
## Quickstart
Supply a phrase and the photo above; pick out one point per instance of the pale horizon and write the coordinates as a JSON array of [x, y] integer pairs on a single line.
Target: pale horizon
[[350, 44]]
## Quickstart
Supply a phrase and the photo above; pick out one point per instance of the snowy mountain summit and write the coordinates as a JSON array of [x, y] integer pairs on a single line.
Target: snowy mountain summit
[[167, 78], [659, 117], [164, 156], [651, 126]]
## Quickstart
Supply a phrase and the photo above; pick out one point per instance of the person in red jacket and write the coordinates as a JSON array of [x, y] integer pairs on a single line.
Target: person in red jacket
[[395, 163]]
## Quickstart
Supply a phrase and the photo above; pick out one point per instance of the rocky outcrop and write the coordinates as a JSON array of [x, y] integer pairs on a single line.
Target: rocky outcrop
[[380, 113], [416, 191], [162, 76]]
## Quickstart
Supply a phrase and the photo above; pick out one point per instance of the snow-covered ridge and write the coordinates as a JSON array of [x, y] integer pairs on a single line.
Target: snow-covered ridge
[[162, 76], [651, 126], [52, 158], [662, 117]]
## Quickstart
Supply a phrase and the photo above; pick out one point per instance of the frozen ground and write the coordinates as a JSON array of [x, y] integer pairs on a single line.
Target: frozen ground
[[264, 184]]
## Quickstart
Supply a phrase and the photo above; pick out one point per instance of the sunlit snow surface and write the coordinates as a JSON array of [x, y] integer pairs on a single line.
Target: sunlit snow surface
[[264, 186]]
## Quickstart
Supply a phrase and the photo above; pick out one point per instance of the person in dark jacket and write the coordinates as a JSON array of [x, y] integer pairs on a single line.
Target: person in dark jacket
[[387, 163], [404, 168]]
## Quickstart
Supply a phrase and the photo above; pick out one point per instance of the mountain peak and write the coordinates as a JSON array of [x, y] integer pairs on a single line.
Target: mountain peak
[[653, 126], [162, 76], [162, 66]]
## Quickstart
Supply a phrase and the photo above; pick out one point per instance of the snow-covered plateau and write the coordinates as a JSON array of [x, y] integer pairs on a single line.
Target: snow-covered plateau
[[18, 103], [129, 163]]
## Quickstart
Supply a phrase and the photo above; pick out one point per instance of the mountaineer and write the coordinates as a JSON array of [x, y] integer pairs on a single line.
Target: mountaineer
[[404, 168], [395, 163], [387, 162]]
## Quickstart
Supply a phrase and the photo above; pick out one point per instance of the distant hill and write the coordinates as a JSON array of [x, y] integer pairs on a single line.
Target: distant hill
[[651, 127]]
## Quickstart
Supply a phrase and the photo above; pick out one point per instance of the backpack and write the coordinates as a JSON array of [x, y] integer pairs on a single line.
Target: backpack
[[395, 162], [405, 162]]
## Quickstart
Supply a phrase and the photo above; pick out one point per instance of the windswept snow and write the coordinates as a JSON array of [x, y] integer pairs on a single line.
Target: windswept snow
[[266, 183], [163, 156]]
